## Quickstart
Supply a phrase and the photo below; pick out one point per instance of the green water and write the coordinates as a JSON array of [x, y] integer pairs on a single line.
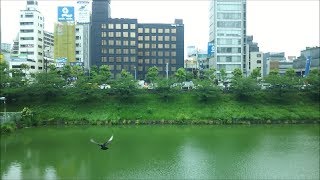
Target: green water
[[163, 152]]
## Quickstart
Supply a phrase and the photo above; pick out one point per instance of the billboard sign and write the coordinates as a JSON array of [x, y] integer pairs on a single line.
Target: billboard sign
[[60, 62], [83, 11], [65, 13], [210, 49], [308, 64]]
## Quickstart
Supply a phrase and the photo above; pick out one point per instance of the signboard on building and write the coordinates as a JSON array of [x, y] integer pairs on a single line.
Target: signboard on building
[[210, 49], [60, 62], [308, 64], [65, 13], [83, 11]]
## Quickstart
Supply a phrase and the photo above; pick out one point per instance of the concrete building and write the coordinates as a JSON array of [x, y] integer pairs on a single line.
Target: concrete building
[[48, 51], [83, 33], [254, 58], [5, 47], [124, 43], [227, 32], [30, 37], [64, 41], [275, 61], [299, 64]]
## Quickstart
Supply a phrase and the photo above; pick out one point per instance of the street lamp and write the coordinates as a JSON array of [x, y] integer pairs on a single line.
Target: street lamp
[[167, 69], [4, 108], [135, 73]]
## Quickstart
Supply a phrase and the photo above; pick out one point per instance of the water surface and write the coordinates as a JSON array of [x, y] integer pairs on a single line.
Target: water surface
[[163, 152]]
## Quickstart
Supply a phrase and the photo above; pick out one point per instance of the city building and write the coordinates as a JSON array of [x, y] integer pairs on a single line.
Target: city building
[[300, 63], [48, 51], [30, 38], [254, 58], [82, 39], [124, 43], [64, 41], [5, 47], [271, 61], [227, 33]]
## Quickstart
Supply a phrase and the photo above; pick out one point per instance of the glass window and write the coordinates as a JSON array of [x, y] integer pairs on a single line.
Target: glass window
[[132, 51], [140, 30], [146, 30], [173, 38], [140, 45], [125, 26], [173, 68], [153, 53], [160, 53], [125, 34], [140, 38], [173, 53], [166, 53], [118, 67], [118, 26], [167, 38], [147, 61], [118, 59], [118, 34], [160, 30], [111, 34], [132, 43], [173, 46], [160, 61], [160, 46], [173, 61], [103, 34], [103, 59], [103, 42], [167, 46], [111, 67], [132, 59], [125, 43], [173, 31], [153, 38], [132, 26], [160, 38], [153, 46], [167, 30], [258, 61], [125, 59], [147, 38], [147, 45], [125, 51], [153, 61], [147, 53], [153, 30], [118, 51], [110, 26], [104, 50], [111, 51], [103, 26], [132, 34], [118, 42]]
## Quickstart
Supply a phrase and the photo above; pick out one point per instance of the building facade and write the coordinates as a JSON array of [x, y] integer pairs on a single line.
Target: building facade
[[31, 37], [123, 43], [64, 41], [227, 32]]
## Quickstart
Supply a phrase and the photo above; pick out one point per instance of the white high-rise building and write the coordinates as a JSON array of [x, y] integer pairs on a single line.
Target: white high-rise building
[[227, 32], [31, 38]]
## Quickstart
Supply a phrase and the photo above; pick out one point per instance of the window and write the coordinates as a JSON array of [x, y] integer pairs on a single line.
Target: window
[[118, 34], [125, 26], [132, 43], [166, 54], [160, 46], [160, 30], [153, 53], [111, 59], [103, 42], [153, 46], [173, 53], [167, 38], [160, 61], [118, 51], [132, 51], [104, 50], [147, 38], [111, 34], [140, 38], [173, 38], [146, 45], [153, 30], [111, 42], [103, 34], [133, 59], [173, 31], [125, 34], [111, 51], [103, 59], [258, 55], [167, 31], [125, 43], [132, 34], [140, 30], [118, 26], [173, 46], [103, 26], [132, 26], [110, 26], [167, 46], [146, 30], [153, 38], [258, 61], [125, 51]]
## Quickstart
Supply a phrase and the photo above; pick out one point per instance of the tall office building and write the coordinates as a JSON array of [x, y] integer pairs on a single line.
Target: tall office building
[[30, 37], [227, 32], [123, 43]]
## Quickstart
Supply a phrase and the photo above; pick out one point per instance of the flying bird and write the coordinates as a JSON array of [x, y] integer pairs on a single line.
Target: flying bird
[[103, 146]]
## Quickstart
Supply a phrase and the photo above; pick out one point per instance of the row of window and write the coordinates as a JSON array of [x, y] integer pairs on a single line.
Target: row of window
[[155, 38], [157, 30], [119, 34], [154, 46], [118, 26], [140, 30], [118, 43], [157, 53], [228, 58], [228, 50]]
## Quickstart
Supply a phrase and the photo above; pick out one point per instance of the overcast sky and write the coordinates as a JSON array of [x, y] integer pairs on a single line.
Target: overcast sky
[[276, 25]]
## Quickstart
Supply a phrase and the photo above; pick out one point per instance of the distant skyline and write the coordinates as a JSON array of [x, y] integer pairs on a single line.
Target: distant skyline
[[277, 26]]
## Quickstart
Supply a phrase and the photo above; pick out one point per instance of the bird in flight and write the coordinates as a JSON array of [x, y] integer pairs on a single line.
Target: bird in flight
[[103, 146]]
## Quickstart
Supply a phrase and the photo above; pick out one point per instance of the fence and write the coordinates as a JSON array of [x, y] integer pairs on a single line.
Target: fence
[[9, 117]]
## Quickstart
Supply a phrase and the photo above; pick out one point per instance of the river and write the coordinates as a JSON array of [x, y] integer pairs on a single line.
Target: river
[[162, 152]]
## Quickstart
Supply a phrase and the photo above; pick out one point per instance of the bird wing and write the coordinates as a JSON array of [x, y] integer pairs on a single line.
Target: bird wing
[[109, 141], [91, 140]]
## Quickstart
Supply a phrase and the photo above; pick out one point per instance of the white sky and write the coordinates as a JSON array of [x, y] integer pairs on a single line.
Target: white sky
[[276, 25]]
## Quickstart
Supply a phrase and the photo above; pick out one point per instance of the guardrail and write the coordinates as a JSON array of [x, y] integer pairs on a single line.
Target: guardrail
[[6, 117]]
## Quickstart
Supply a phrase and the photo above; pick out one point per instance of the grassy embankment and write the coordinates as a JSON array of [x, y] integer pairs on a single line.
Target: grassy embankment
[[184, 108]]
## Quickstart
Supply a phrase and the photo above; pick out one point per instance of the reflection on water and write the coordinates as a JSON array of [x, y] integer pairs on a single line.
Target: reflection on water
[[13, 172], [163, 152]]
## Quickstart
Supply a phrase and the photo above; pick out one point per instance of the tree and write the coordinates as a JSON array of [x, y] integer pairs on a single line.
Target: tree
[[244, 88], [210, 74], [152, 74], [237, 73], [256, 73], [126, 74], [223, 74], [181, 75], [101, 75]]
